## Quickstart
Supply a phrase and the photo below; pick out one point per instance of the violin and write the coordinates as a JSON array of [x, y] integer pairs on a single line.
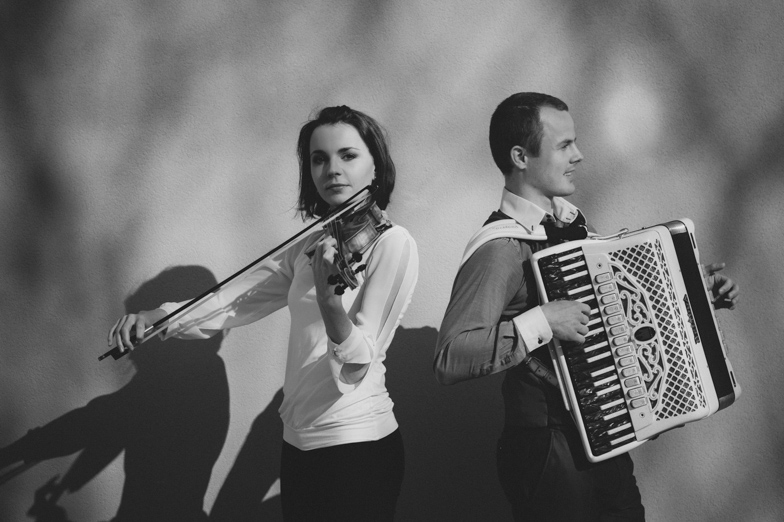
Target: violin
[[355, 233], [355, 224]]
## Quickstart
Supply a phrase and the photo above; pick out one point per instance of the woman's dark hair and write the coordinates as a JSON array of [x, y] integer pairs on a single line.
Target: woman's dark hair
[[310, 203], [516, 122]]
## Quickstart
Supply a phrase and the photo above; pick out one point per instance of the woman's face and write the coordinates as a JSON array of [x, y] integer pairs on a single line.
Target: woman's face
[[340, 162]]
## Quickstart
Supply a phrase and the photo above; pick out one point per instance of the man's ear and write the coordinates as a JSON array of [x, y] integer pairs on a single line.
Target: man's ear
[[518, 157]]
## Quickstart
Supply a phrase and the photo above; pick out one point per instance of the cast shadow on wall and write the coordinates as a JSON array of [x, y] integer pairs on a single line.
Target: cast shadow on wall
[[171, 420], [449, 435], [243, 495]]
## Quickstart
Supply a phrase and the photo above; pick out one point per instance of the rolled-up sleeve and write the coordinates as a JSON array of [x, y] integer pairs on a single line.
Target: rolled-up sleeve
[[480, 333], [390, 277]]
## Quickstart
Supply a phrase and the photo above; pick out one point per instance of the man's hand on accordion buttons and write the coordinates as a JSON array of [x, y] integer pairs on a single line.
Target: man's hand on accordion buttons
[[568, 320], [724, 291]]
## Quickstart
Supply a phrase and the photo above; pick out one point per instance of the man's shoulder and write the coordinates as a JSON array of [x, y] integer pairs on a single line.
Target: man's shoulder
[[504, 247]]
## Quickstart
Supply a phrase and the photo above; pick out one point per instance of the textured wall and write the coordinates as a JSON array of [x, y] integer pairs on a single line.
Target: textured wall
[[139, 136]]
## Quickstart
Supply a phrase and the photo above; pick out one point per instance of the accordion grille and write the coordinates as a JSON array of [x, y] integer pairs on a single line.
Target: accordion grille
[[669, 370]]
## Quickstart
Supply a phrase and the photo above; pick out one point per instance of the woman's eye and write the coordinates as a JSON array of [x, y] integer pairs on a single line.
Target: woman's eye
[[317, 160]]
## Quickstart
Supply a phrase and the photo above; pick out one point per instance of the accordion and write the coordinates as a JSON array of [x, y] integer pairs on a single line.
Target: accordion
[[654, 358]]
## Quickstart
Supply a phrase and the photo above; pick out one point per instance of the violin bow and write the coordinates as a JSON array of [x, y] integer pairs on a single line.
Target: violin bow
[[17, 470], [357, 199]]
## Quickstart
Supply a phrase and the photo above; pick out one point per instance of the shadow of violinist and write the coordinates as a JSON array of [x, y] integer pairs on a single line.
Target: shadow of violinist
[[171, 420], [243, 496]]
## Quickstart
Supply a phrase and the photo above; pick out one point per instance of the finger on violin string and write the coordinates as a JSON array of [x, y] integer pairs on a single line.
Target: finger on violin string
[[327, 253]]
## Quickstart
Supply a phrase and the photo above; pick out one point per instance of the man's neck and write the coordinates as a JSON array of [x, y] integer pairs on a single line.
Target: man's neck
[[514, 184]]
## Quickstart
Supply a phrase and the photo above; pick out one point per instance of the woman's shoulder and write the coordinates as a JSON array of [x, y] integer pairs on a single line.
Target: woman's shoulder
[[395, 243], [396, 235]]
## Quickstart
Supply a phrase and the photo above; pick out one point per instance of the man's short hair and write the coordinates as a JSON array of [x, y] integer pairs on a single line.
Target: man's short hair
[[516, 122]]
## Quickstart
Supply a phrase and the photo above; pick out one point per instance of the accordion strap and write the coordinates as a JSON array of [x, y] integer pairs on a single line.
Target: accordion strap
[[540, 370], [496, 230]]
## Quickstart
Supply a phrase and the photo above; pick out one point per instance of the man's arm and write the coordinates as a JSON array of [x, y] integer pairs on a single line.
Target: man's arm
[[491, 323], [474, 339]]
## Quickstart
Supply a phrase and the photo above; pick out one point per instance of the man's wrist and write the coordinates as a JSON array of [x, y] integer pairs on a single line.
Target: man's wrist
[[533, 328]]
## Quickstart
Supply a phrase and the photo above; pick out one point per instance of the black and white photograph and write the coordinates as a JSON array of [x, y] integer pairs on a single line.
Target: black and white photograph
[[391, 261]]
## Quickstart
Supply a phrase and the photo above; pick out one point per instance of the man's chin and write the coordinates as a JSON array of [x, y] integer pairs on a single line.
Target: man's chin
[[567, 190]]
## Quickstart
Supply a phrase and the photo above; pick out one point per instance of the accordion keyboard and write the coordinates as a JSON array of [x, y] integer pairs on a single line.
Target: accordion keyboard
[[604, 371]]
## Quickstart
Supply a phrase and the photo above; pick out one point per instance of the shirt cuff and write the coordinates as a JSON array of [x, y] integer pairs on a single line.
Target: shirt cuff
[[533, 328], [181, 328], [353, 350]]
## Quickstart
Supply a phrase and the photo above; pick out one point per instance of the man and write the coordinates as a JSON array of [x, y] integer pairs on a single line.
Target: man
[[494, 321]]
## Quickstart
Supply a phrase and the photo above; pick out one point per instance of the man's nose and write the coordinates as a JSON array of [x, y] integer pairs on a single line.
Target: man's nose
[[578, 156]]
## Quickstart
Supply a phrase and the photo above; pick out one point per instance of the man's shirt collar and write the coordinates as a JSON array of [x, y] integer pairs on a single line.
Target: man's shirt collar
[[530, 215]]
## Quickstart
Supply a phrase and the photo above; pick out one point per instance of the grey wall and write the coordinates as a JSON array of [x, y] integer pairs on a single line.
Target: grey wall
[[141, 136]]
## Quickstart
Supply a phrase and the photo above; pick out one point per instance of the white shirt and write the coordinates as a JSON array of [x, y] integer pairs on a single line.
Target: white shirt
[[319, 409]]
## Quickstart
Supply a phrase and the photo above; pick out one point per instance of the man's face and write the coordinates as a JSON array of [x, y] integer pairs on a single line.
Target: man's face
[[551, 173]]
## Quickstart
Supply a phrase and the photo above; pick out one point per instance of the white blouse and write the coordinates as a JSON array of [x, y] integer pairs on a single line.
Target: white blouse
[[319, 409]]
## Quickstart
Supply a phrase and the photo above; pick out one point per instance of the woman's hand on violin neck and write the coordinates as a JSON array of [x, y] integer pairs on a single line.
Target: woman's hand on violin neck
[[323, 263], [129, 329], [336, 321]]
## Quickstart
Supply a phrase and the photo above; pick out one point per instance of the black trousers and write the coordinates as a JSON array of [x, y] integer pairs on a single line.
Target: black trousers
[[349, 482], [546, 477]]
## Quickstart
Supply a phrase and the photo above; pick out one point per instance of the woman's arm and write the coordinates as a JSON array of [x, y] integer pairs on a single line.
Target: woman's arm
[[240, 302], [357, 335]]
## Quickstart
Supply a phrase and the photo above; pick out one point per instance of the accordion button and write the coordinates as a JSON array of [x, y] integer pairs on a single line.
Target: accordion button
[[626, 361], [618, 330], [612, 309], [607, 299], [622, 339], [636, 392], [634, 381], [623, 350], [638, 403], [627, 372], [614, 319], [606, 289], [603, 278]]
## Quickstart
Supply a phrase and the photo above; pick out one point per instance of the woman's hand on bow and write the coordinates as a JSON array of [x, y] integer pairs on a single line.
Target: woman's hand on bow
[[133, 325]]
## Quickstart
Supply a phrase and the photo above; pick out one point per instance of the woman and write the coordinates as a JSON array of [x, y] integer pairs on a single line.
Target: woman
[[342, 454]]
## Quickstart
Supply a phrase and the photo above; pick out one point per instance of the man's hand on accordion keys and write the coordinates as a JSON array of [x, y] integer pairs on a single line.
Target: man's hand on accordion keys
[[568, 320], [724, 291]]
